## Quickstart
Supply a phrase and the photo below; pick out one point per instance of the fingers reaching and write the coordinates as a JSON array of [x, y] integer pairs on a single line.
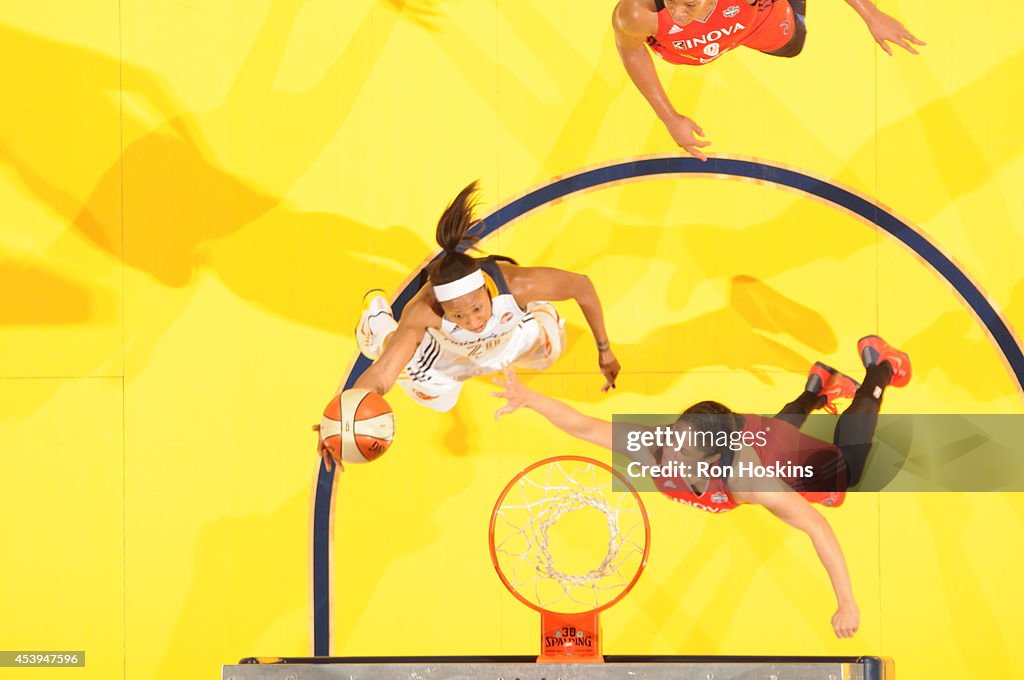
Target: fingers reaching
[[331, 460], [685, 132], [324, 452], [695, 151], [694, 148], [511, 391], [886, 29], [320, 448], [901, 41], [610, 369], [327, 457]]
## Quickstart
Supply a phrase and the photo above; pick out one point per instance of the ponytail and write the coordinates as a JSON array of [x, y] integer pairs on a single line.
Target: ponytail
[[456, 220]]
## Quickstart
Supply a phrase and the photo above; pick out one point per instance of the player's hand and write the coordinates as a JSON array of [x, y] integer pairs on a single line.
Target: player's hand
[[846, 620], [609, 367], [517, 394], [325, 452], [684, 131], [886, 29]]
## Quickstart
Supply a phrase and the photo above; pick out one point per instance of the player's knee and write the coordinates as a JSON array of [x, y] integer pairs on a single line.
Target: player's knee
[[856, 457]]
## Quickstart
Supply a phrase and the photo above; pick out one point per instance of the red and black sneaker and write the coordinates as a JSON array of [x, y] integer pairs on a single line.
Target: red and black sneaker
[[827, 382], [873, 351]]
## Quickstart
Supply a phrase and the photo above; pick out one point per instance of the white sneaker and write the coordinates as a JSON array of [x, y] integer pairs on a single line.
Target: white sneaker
[[553, 327], [376, 323]]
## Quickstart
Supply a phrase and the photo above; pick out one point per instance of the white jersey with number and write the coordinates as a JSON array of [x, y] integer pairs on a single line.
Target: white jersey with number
[[509, 333], [530, 338]]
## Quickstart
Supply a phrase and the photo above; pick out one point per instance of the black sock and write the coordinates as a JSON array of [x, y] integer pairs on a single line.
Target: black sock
[[796, 411], [876, 379], [809, 401], [855, 431]]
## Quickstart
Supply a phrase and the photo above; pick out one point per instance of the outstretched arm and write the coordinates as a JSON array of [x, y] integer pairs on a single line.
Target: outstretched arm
[[399, 349], [632, 24], [381, 376], [561, 415], [884, 28], [796, 511], [532, 284]]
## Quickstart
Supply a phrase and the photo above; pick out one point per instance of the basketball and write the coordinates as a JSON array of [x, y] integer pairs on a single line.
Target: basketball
[[357, 426]]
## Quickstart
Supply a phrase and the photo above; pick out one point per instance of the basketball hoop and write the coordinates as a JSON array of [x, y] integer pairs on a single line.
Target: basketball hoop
[[571, 574]]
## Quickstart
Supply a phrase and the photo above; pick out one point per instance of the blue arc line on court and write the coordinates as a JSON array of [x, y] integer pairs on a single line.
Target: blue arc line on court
[[653, 167]]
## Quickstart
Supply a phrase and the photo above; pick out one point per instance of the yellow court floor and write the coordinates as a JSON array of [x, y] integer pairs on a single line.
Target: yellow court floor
[[196, 194]]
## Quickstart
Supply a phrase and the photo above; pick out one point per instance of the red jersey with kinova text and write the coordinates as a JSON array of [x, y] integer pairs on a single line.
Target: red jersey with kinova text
[[764, 25], [786, 450]]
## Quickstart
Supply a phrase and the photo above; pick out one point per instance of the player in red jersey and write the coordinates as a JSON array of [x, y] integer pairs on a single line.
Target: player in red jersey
[[764, 443], [699, 31]]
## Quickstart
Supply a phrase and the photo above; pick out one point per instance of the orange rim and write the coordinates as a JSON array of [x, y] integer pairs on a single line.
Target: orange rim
[[580, 459]]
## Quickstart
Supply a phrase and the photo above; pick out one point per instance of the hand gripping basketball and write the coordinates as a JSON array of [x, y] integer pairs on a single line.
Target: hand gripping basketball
[[358, 426]]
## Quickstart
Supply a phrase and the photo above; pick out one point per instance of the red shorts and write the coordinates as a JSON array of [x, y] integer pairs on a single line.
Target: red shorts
[[776, 31]]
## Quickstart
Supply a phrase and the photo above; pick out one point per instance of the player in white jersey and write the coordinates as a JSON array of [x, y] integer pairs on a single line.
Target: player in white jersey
[[473, 316]]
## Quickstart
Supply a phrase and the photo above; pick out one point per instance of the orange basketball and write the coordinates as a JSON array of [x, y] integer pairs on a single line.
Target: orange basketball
[[357, 426]]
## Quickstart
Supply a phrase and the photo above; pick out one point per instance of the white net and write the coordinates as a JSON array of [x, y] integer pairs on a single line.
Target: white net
[[565, 541]]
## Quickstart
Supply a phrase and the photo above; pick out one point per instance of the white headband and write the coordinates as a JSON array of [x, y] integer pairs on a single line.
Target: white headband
[[459, 287]]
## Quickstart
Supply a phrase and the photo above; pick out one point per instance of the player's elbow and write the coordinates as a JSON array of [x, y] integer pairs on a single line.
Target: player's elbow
[[617, 19], [631, 51], [583, 288]]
